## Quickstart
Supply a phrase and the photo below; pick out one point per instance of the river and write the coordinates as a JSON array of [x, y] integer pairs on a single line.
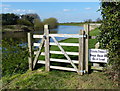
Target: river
[[62, 29]]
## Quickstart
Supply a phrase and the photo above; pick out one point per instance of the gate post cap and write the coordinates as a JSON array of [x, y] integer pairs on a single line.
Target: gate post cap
[[46, 26]]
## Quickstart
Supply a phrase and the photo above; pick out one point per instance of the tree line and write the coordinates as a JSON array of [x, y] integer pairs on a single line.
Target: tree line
[[28, 21]]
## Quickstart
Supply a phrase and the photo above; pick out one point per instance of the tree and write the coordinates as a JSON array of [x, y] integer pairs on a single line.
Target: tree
[[109, 37], [30, 17], [24, 22], [88, 21], [98, 20], [52, 22], [9, 19], [38, 25]]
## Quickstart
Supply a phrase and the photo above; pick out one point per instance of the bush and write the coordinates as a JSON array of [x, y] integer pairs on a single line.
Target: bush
[[109, 35], [52, 22], [14, 58]]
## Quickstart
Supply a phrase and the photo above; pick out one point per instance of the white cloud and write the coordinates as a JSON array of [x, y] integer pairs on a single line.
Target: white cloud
[[88, 8], [23, 11], [4, 5], [66, 10], [6, 8], [19, 11]]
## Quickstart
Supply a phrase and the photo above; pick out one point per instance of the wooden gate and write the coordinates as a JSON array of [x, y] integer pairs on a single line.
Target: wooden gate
[[45, 42]]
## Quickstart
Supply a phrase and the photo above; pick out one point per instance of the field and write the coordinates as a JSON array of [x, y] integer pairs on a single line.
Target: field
[[55, 79], [72, 24]]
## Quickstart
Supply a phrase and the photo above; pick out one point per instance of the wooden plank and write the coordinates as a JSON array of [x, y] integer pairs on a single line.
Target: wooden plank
[[58, 67], [87, 29], [65, 44], [58, 60], [41, 62], [59, 52], [65, 54], [62, 68], [38, 36], [61, 35], [30, 58], [62, 44], [67, 35], [63, 60], [38, 52], [47, 59]]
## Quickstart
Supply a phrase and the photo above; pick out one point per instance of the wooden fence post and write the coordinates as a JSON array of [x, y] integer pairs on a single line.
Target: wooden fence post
[[87, 29], [47, 52], [30, 58], [81, 53]]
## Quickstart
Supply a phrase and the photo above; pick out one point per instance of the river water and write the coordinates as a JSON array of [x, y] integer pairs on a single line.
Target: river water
[[62, 29]]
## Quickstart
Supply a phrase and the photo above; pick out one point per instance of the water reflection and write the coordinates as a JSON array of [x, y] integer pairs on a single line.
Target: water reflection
[[22, 36]]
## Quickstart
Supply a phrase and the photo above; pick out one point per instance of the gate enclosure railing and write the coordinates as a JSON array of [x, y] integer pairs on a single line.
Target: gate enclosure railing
[[45, 42]]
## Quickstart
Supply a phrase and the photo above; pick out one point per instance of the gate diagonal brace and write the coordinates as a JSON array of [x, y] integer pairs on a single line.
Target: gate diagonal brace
[[39, 52], [65, 54]]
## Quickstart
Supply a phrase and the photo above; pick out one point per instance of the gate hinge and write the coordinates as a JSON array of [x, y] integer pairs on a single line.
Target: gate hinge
[[44, 36]]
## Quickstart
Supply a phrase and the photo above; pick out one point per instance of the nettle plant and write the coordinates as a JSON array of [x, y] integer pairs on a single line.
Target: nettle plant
[[14, 57], [109, 37]]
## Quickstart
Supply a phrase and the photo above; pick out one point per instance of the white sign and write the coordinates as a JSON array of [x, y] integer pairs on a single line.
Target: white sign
[[98, 55]]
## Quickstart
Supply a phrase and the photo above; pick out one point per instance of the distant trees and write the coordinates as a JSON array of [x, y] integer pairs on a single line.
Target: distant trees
[[9, 19], [30, 17], [98, 20], [52, 22], [88, 21], [24, 22], [31, 21]]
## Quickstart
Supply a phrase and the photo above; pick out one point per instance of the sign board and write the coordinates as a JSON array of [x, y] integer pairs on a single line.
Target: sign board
[[98, 55]]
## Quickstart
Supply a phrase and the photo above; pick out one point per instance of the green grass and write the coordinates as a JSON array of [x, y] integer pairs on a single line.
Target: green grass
[[39, 79], [72, 24], [55, 79], [95, 32]]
